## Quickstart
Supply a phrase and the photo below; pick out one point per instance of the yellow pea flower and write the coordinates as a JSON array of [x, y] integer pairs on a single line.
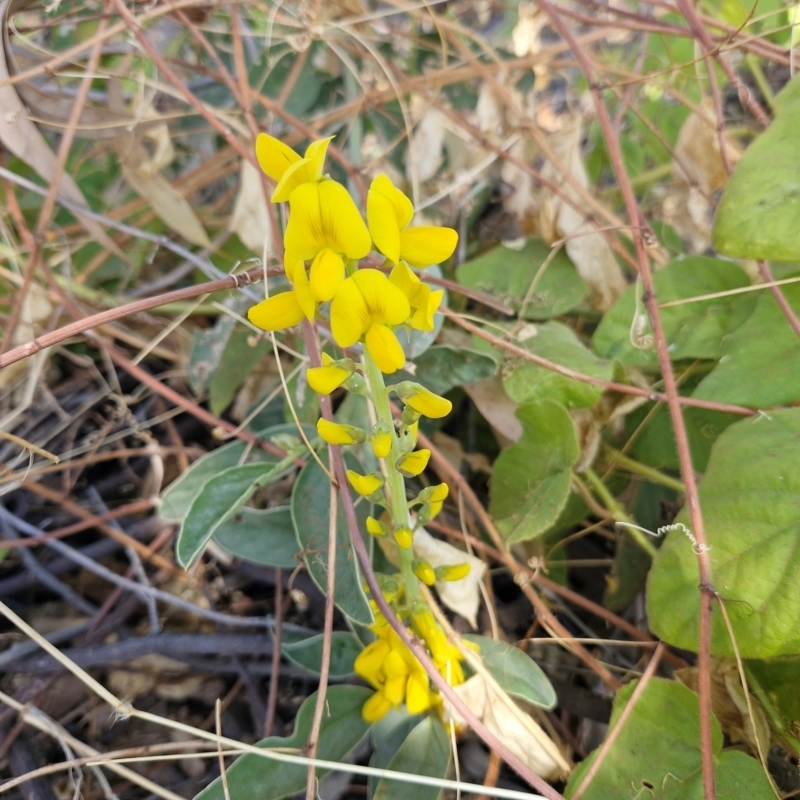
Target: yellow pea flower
[[277, 312], [423, 400], [452, 572], [403, 536], [366, 306], [424, 571], [375, 708], [331, 375], [334, 433], [389, 213], [412, 464], [286, 167], [365, 485], [424, 302], [381, 439], [324, 215], [418, 694]]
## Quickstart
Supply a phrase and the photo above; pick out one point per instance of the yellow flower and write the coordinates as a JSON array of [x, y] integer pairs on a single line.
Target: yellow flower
[[323, 215], [365, 485], [412, 464], [424, 571], [389, 213], [288, 169], [452, 572], [403, 536], [424, 303], [381, 438], [334, 433], [366, 306], [432, 499], [331, 375], [423, 400], [277, 312]]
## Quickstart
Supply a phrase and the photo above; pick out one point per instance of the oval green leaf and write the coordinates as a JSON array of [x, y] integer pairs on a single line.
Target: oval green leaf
[[310, 513], [307, 653], [267, 779], [750, 498], [426, 751], [515, 671], [262, 536]]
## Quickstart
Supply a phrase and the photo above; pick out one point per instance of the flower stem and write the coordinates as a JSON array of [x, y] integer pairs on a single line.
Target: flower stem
[[394, 480]]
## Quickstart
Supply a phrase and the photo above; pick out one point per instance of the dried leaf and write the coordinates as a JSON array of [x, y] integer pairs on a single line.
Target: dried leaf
[[462, 596], [499, 409], [250, 219], [518, 732], [426, 148]]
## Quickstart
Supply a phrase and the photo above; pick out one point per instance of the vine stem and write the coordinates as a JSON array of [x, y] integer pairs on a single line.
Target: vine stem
[[413, 644], [670, 385]]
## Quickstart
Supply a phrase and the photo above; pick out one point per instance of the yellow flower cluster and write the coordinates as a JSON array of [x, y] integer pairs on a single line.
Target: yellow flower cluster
[[396, 675], [324, 239]]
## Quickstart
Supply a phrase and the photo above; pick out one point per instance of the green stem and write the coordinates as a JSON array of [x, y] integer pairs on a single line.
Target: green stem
[[394, 480], [618, 512], [653, 475]]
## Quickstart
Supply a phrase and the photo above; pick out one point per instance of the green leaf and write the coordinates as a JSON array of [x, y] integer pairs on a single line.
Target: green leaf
[[307, 653], [758, 216], [693, 330], [760, 363], [525, 382], [310, 513], [657, 753], [387, 735], [236, 364], [426, 751], [750, 498], [181, 493], [220, 499], [507, 275], [442, 368], [342, 729], [262, 536], [515, 671], [531, 479], [774, 682]]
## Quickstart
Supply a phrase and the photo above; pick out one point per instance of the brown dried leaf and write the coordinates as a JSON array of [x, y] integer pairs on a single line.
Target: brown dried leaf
[[250, 219]]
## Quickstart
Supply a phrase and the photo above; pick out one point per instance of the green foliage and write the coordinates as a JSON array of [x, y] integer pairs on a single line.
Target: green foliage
[[262, 536], [307, 653], [774, 682], [387, 735], [692, 330], [311, 506], [750, 498], [426, 751], [514, 671], [443, 367], [657, 753], [759, 214], [525, 382], [760, 363], [342, 729], [508, 275], [531, 479]]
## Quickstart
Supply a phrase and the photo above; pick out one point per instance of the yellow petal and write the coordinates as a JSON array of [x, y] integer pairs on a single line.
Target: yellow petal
[[387, 215], [385, 349], [424, 571], [405, 280], [341, 221], [395, 690], [426, 245], [298, 173], [452, 572], [324, 380], [418, 695], [350, 318], [375, 527], [386, 303], [369, 662], [403, 536], [303, 293], [412, 464], [375, 708], [290, 264], [381, 438], [423, 400], [274, 157], [334, 433], [304, 237], [276, 313], [394, 665], [426, 304], [316, 153], [327, 274], [365, 485]]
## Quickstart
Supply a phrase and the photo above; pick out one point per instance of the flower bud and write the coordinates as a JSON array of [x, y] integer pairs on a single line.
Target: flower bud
[[381, 438], [357, 385], [365, 485], [412, 464], [409, 416], [403, 536], [375, 527], [423, 401], [452, 572], [334, 433], [424, 571], [331, 375]]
